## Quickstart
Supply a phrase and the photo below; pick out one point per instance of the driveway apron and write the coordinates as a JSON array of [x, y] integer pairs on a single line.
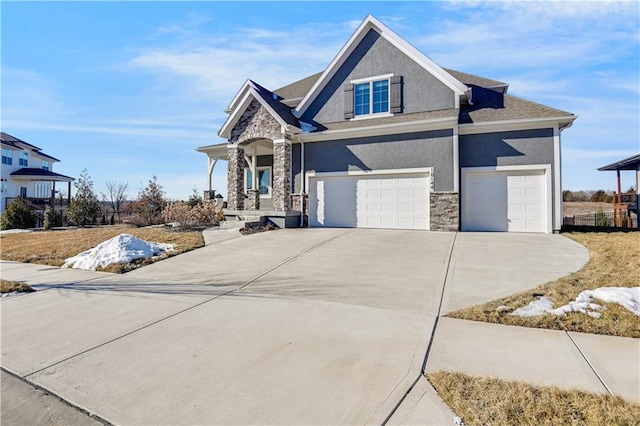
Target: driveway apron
[[295, 326]]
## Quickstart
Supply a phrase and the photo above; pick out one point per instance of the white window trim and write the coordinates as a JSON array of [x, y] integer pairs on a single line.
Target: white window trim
[[258, 169], [370, 80], [545, 168]]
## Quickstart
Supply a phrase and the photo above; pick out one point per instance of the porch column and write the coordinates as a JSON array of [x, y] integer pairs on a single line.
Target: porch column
[[235, 178], [281, 175]]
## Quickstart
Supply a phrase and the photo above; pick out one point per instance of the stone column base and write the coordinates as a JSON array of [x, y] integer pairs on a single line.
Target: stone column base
[[444, 211], [253, 202]]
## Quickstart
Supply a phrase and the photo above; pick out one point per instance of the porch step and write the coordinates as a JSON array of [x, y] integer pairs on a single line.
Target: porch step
[[240, 221]]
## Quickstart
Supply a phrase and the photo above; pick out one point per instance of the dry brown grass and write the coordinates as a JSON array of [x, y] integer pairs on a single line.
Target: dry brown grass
[[576, 208], [489, 401], [7, 286], [53, 247], [615, 262]]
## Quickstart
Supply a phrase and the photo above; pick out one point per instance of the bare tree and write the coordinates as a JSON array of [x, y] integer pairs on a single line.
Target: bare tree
[[116, 195]]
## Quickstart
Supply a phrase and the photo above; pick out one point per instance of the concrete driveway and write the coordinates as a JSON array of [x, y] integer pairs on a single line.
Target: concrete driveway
[[303, 326]]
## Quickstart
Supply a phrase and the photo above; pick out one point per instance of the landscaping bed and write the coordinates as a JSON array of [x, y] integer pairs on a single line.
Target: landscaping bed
[[614, 262]]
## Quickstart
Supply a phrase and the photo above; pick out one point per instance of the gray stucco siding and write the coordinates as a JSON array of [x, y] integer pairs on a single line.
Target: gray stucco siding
[[375, 56], [412, 150], [507, 148], [517, 148]]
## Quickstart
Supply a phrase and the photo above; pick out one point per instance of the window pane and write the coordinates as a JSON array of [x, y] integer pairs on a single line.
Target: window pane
[[361, 104], [249, 179], [264, 182], [380, 96]]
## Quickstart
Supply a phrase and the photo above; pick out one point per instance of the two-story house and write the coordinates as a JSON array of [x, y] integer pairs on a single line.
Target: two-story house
[[386, 138], [27, 173]]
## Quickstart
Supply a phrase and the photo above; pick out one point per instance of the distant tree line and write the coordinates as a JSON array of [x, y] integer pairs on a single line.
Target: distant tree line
[[592, 195]]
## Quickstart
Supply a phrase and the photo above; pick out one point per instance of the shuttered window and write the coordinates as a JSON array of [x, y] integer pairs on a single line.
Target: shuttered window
[[369, 97]]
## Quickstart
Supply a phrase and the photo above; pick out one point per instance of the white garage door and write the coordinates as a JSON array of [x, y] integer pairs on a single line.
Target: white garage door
[[384, 201], [505, 201]]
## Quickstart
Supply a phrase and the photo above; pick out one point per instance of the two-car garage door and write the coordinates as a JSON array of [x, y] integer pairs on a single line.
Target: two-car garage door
[[513, 201], [395, 201]]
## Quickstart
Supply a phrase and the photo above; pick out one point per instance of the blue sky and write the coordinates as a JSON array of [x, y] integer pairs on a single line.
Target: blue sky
[[128, 90]]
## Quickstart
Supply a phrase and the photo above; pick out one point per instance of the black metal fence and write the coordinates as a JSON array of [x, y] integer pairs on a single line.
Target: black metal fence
[[603, 220]]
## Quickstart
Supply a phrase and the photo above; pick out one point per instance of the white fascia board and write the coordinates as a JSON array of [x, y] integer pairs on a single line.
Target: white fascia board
[[511, 125], [337, 61], [241, 93], [372, 23], [382, 129]]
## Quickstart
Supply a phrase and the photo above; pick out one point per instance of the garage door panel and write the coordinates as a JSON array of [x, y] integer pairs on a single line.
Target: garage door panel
[[505, 201], [396, 201]]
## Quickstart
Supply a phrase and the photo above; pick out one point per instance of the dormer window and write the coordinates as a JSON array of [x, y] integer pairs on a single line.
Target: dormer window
[[24, 159], [373, 97], [46, 165]]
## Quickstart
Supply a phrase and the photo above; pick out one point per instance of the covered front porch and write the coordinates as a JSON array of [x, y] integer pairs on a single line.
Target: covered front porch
[[259, 136]]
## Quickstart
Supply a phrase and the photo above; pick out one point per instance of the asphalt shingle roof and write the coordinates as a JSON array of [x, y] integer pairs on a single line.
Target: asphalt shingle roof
[[31, 171], [489, 105], [9, 140], [273, 100]]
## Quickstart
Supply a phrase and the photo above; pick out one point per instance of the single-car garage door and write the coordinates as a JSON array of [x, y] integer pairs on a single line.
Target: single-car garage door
[[399, 201], [513, 201]]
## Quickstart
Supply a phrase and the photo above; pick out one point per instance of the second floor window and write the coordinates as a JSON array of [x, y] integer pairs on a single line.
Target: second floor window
[[371, 97], [24, 159], [7, 156], [46, 165]]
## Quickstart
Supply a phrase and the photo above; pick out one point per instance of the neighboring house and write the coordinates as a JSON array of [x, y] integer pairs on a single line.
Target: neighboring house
[[27, 173], [386, 138]]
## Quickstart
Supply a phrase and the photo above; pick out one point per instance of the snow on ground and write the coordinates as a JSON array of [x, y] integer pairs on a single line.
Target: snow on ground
[[124, 248], [629, 297]]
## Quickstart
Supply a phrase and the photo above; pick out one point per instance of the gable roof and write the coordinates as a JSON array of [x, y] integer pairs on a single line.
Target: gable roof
[[252, 90], [371, 23], [14, 142]]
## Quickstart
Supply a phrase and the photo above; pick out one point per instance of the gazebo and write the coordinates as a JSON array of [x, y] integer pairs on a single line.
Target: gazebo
[[623, 203]]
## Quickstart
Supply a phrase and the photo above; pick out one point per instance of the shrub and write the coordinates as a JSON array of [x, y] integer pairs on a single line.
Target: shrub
[[602, 219], [205, 214], [85, 207], [17, 215], [150, 204], [49, 218], [601, 196]]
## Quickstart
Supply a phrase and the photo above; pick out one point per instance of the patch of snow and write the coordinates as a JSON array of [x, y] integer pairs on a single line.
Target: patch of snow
[[628, 297], [15, 231], [10, 294], [458, 421], [540, 306], [124, 248]]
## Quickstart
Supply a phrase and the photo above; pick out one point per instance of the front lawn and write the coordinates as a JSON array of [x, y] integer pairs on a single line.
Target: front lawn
[[490, 401], [615, 262], [53, 247]]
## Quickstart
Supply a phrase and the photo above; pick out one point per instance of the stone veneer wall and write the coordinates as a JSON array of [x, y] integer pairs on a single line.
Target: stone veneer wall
[[235, 179], [444, 212], [253, 201], [255, 123], [295, 203], [281, 175]]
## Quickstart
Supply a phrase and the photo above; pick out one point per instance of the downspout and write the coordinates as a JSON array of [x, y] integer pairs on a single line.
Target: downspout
[[302, 182]]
